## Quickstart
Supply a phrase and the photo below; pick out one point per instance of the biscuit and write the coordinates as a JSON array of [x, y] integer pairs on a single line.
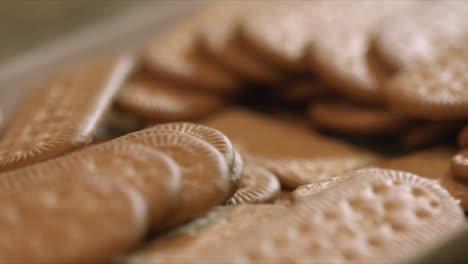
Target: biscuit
[[463, 137], [305, 191], [237, 170], [459, 164], [153, 174], [428, 133], [432, 163], [215, 228], [278, 32], [271, 138], [218, 39], [80, 220], [62, 114], [457, 187], [420, 33], [433, 90], [296, 172], [346, 117], [172, 55], [216, 139], [373, 216], [258, 185], [155, 100], [205, 175], [340, 58]]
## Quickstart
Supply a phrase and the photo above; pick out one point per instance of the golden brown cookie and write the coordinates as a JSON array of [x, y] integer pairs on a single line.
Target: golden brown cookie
[[213, 229], [296, 172], [432, 163], [428, 133], [305, 191], [339, 55], [80, 220], [214, 138], [346, 117], [305, 156], [152, 99], [278, 32], [265, 136], [258, 185], [433, 90], [205, 175], [172, 55], [457, 187], [420, 33], [153, 174], [218, 39], [459, 164], [62, 113], [373, 216]]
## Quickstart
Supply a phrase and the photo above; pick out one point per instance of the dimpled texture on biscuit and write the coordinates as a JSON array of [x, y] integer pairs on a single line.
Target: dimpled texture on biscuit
[[421, 33], [435, 90], [153, 174], [199, 236], [374, 215], [62, 113], [81, 220]]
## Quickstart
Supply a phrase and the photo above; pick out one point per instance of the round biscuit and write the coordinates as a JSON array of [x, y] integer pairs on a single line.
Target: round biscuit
[[82, 219], [258, 185], [205, 178], [345, 117], [156, 100]]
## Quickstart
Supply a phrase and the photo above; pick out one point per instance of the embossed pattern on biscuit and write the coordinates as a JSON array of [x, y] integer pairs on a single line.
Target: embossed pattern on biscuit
[[296, 172], [434, 90], [199, 236], [371, 216], [421, 33], [304, 191], [258, 185], [205, 174], [84, 219], [62, 113], [153, 174]]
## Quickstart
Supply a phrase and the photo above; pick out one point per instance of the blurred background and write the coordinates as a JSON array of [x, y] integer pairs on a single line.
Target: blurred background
[[25, 24]]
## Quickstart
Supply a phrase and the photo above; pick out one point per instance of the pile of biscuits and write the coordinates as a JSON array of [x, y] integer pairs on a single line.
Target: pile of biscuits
[[249, 132]]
